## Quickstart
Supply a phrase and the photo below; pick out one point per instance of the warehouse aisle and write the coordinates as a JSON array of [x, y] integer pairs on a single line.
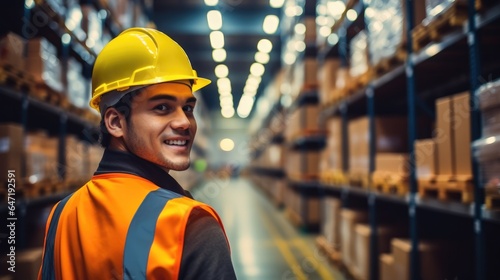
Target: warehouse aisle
[[264, 245]]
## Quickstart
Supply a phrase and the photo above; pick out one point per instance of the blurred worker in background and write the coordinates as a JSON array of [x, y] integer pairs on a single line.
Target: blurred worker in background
[[132, 220]]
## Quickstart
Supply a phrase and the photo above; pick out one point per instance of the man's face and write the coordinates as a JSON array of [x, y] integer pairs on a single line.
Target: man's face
[[162, 125]]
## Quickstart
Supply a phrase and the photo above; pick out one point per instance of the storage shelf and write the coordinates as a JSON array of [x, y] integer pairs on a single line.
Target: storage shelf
[[310, 142], [269, 171], [305, 97]]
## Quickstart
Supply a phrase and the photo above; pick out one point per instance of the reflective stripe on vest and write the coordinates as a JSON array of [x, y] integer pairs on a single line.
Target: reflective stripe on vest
[[141, 233], [48, 268]]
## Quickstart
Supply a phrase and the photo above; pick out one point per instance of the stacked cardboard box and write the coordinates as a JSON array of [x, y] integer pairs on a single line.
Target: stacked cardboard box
[[43, 63], [305, 75], [41, 158], [330, 224], [302, 164], [11, 51], [327, 78], [397, 264], [390, 137], [331, 156], [448, 154], [303, 119], [348, 221], [306, 209], [11, 149]]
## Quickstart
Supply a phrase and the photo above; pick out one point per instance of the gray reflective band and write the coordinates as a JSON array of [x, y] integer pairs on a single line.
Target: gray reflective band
[[48, 269], [141, 233]]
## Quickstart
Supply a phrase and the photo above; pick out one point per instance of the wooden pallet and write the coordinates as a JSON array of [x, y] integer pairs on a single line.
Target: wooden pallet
[[333, 177], [331, 253], [387, 64], [390, 184], [16, 78], [492, 197], [357, 179], [447, 188], [451, 19]]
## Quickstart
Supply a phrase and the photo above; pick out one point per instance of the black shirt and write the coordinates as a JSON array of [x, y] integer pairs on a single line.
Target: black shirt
[[206, 254]]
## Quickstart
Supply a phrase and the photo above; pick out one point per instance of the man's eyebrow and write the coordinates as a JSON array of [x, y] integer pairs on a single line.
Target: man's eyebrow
[[170, 97]]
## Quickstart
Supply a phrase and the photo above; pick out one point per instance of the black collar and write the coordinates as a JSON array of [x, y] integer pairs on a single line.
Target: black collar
[[122, 162]]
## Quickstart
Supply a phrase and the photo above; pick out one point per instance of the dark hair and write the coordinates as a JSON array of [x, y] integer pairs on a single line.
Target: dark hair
[[123, 106]]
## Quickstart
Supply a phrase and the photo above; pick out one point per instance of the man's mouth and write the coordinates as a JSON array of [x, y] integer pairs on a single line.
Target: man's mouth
[[176, 142]]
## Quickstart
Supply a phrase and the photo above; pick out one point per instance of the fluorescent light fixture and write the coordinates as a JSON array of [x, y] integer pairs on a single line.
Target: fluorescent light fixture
[[245, 106], [221, 71], [321, 9], [253, 80], [251, 88], [214, 19], [225, 92], [66, 38], [321, 20], [298, 10], [265, 46], [369, 12], [226, 144], [300, 29], [226, 101], [224, 84], [336, 8], [217, 39], [276, 3], [352, 15], [257, 69], [262, 58], [219, 55], [290, 11], [227, 112], [271, 23], [289, 58], [211, 2]]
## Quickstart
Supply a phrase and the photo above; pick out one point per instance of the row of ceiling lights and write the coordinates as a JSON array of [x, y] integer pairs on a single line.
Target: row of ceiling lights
[[328, 14], [257, 69]]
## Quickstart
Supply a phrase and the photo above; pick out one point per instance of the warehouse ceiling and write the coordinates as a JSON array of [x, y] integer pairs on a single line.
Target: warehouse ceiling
[[242, 20]]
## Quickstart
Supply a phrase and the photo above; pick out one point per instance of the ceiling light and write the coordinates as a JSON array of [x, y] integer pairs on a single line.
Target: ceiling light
[[300, 29], [321, 20], [276, 3], [227, 112], [245, 106], [219, 55], [262, 58], [324, 31], [290, 11], [211, 2], [336, 8], [321, 9], [214, 19], [226, 101], [333, 39], [66, 38], [226, 144], [221, 71], [217, 39], [253, 80], [352, 15], [225, 92], [300, 46], [298, 10], [370, 12], [252, 88], [265, 46], [257, 69], [271, 23], [289, 58]]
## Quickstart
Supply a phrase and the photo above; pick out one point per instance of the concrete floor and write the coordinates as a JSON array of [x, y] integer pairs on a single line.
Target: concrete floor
[[264, 244]]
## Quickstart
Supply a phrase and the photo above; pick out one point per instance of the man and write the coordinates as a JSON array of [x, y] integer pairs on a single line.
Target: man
[[132, 220]]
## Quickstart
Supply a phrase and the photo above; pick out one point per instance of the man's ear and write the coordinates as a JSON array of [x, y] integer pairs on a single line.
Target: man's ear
[[115, 122]]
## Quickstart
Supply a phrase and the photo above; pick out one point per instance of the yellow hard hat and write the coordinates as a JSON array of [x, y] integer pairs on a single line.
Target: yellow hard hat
[[140, 57]]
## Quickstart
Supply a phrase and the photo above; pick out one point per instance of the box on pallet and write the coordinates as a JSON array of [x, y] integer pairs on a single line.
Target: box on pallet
[[389, 137], [305, 75], [386, 267], [330, 224], [392, 163], [426, 158], [11, 149], [43, 63], [302, 164], [12, 51], [327, 77], [386, 23], [348, 220], [304, 118], [462, 134], [362, 242], [443, 137]]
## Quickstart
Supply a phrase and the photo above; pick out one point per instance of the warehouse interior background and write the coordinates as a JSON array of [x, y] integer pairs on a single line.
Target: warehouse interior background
[[339, 139]]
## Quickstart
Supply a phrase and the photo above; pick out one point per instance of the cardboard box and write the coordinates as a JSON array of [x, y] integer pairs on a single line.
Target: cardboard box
[[426, 158], [392, 163], [330, 225], [11, 150], [12, 50], [43, 63], [335, 144], [431, 259], [310, 117], [386, 268], [326, 77], [349, 219], [362, 240], [444, 139], [462, 134], [28, 264]]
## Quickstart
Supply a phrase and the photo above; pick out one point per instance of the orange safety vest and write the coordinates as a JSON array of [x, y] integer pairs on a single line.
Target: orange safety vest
[[117, 226]]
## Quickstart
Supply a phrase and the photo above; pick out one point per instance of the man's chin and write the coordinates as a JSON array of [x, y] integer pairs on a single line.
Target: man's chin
[[179, 166]]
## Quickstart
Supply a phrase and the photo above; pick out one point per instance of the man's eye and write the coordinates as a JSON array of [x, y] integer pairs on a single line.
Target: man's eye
[[188, 108], [161, 107]]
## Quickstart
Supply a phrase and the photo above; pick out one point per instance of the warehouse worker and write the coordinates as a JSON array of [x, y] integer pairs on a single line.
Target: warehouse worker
[[132, 220]]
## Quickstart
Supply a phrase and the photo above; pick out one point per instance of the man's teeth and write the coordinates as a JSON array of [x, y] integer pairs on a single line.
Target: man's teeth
[[176, 142]]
